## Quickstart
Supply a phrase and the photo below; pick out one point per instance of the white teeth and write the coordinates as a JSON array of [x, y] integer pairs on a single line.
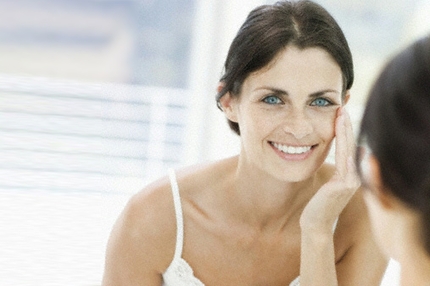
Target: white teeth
[[292, 149]]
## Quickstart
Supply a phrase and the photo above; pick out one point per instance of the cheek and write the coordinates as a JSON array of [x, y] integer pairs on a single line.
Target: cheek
[[255, 121], [324, 123], [251, 126]]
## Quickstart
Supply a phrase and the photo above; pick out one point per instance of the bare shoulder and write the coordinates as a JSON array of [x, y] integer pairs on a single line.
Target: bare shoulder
[[150, 216], [359, 257], [142, 242], [200, 180], [359, 260], [354, 221]]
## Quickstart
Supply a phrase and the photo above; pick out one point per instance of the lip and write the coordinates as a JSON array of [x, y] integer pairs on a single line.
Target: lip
[[293, 157]]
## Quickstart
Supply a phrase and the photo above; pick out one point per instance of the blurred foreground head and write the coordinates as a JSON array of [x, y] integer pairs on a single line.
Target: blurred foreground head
[[396, 132]]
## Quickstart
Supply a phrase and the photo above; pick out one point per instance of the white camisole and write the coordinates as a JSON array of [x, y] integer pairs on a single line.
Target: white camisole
[[179, 272]]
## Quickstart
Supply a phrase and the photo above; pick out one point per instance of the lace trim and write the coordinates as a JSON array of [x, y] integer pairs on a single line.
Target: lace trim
[[295, 282], [180, 273]]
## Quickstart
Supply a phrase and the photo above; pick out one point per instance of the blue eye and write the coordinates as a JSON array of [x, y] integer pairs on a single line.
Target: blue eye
[[272, 100], [321, 102]]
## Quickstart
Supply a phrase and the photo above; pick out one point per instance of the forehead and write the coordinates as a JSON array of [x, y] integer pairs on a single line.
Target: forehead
[[310, 66]]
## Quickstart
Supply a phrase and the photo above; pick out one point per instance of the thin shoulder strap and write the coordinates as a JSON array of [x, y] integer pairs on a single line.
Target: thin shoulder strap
[[335, 224], [178, 212]]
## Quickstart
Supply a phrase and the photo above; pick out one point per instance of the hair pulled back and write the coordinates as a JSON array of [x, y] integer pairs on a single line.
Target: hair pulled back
[[268, 29]]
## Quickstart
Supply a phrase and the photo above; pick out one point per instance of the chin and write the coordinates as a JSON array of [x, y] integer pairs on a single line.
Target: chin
[[296, 176]]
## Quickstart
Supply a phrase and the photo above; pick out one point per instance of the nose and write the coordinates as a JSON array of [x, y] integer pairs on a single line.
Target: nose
[[298, 123]]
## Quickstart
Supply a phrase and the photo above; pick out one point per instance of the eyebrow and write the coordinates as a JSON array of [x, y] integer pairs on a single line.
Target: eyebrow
[[273, 89], [285, 93], [322, 92]]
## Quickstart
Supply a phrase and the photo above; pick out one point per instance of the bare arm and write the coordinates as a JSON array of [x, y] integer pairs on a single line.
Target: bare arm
[[361, 263], [139, 249], [318, 265], [317, 261]]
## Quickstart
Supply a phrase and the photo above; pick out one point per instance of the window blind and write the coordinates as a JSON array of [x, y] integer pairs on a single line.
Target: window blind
[[65, 136]]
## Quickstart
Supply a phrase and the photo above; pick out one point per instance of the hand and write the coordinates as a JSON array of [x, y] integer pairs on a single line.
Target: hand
[[326, 205]]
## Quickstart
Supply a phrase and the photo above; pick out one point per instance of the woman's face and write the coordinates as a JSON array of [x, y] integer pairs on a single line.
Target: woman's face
[[286, 113]]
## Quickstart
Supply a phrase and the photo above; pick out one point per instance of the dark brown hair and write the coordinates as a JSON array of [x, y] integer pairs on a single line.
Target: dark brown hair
[[268, 29], [396, 128]]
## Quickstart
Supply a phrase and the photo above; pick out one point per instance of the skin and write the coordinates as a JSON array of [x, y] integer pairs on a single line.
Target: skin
[[262, 217], [397, 228], [302, 113]]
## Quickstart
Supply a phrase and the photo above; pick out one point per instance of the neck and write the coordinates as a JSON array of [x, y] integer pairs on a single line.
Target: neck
[[415, 270], [266, 201], [410, 251]]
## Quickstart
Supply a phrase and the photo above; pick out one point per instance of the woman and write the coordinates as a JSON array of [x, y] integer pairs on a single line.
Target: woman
[[276, 210], [395, 131]]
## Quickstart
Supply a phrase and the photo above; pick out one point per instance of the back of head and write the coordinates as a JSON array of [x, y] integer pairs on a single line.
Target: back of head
[[268, 29], [396, 127]]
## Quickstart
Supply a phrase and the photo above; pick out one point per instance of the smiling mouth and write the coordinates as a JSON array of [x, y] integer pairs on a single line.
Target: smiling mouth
[[292, 150]]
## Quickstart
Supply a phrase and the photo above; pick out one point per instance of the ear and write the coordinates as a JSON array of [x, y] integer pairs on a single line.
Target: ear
[[346, 97], [220, 86], [228, 104], [382, 195]]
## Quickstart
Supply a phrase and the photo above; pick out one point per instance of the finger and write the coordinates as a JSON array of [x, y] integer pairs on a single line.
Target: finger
[[349, 134], [353, 181], [351, 168], [341, 153]]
